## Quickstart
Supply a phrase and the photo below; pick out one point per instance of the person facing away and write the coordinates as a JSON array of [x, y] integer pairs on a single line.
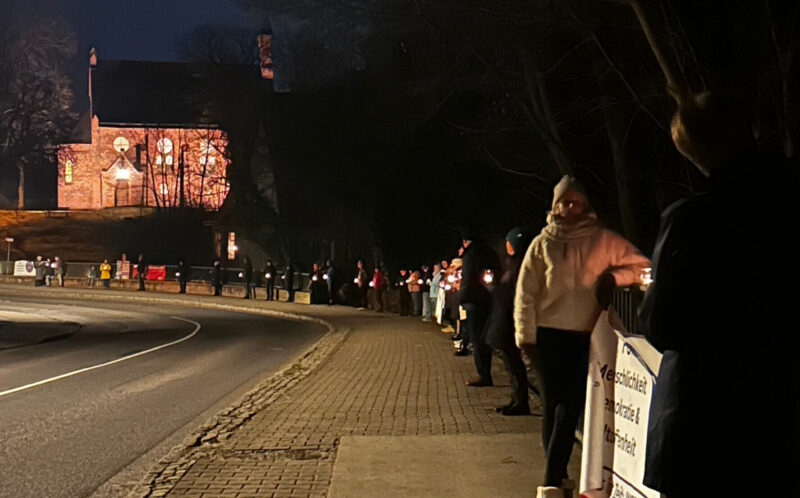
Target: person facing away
[[248, 278], [567, 277], [500, 329], [141, 268], [216, 277], [478, 261], [105, 273], [725, 404], [269, 280], [183, 276]]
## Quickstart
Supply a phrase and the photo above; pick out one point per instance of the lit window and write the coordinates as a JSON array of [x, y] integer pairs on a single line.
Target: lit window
[[212, 160], [168, 160], [232, 248], [202, 159], [159, 160], [121, 144], [164, 145], [206, 146], [163, 189], [68, 171]]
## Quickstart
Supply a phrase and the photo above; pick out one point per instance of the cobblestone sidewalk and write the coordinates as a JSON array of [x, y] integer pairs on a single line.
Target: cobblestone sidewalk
[[385, 376]]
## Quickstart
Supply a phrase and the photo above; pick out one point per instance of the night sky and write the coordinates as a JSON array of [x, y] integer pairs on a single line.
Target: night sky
[[141, 29], [135, 30]]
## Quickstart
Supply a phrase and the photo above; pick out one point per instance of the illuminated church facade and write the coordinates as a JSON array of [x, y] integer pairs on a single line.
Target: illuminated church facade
[[150, 137]]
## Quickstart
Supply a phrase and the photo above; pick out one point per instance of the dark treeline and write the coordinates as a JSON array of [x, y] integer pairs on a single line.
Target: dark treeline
[[396, 124]]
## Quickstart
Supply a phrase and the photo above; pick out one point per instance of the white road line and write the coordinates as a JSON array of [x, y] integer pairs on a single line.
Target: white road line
[[101, 365]]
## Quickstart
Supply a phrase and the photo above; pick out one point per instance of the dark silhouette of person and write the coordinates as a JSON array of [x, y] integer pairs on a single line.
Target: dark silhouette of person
[[141, 269], [216, 277], [288, 280], [270, 274], [500, 329], [475, 299], [725, 402], [249, 290], [183, 276]]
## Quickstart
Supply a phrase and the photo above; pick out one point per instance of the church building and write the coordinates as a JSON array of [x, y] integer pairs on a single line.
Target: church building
[[150, 137]]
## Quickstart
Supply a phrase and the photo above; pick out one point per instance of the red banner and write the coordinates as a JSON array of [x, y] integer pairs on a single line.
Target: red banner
[[153, 272]]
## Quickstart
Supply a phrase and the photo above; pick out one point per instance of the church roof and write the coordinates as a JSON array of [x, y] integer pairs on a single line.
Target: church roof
[[163, 94]]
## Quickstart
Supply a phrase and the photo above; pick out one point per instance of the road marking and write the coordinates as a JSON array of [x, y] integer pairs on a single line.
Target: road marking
[[101, 365]]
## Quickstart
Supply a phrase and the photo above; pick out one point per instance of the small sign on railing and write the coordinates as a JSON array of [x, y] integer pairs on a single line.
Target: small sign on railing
[[24, 268]]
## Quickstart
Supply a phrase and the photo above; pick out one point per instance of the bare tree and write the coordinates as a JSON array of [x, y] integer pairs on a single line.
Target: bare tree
[[35, 94]]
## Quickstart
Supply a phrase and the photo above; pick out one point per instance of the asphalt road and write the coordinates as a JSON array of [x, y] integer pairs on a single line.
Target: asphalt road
[[77, 407]]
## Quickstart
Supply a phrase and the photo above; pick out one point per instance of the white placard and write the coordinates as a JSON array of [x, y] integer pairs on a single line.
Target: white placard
[[24, 268], [622, 371]]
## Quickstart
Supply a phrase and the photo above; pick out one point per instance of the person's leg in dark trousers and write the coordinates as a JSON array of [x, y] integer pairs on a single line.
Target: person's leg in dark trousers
[[182, 285], [141, 282], [379, 300], [270, 288], [561, 361], [477, 313], [404, 304], [518, 380]]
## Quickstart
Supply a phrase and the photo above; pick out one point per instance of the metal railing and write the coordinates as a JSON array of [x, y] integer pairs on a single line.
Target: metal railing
[[626, 303], [230, 275]]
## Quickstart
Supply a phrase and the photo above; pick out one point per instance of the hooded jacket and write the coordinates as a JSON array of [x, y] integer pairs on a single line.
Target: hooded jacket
[[559, 274]]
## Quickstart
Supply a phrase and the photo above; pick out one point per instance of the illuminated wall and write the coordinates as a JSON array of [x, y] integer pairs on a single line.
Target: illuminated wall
[[159, 167]]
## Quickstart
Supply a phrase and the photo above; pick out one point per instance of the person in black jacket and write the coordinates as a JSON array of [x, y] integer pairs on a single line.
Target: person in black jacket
[[332, 280], [479, 261], [728, 339], [404, 298], [216, 277], [249, 290], [316, 285], [141, 268], [269, 280], [500, 330], [288, 280], [183, 276]]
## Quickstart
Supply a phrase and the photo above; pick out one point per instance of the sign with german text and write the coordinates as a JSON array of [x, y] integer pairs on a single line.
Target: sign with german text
[[622, 371], [24, 269]]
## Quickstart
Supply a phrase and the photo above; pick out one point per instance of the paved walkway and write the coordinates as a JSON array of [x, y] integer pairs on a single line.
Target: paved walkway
[[383, 392]]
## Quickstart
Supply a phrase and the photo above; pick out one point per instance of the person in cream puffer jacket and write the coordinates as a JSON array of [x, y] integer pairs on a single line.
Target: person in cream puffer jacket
[[567, 277]]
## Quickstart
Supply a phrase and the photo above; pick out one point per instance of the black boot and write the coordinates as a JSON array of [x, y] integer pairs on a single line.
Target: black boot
[[514, 410]]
